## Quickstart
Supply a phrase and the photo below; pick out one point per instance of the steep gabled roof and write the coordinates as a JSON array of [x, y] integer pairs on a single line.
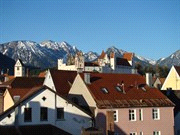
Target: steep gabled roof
[[20, 62], [177, 69], [32, 92], [63, 80], [102, 55], [132, 91], [128, 56]]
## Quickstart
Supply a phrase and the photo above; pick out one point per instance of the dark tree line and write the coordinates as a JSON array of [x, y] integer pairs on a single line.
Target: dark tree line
[[160, 71]]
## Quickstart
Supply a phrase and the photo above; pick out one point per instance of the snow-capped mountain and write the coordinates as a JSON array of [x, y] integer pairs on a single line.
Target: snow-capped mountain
[[173, 59], [143, 61], [43, 55], [46, 53], [90, 56]]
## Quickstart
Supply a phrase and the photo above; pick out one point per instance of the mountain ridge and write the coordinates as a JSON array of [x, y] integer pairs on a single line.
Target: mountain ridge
[[46, 53]]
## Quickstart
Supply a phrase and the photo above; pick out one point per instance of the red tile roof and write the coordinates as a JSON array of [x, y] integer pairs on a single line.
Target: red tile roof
[[25, 82], [112, 55], [132, 95], [128, 56], [63, 80], [177, 69]]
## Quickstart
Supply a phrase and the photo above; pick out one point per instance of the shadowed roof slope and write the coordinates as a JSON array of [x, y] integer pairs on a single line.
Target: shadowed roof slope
[[25, 82], [177, 69], [132, 91], [122, 62], [63, 80]]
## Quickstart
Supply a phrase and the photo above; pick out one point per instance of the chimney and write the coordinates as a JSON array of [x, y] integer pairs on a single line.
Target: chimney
[[149, 79], [87, 78], [16, 98]]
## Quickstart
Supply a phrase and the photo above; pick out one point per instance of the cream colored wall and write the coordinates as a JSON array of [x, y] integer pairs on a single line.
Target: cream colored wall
[[8, 101], [80, 88], [172, 80]]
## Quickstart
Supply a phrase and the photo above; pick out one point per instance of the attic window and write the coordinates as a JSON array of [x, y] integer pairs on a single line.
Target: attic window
[[104, 90]]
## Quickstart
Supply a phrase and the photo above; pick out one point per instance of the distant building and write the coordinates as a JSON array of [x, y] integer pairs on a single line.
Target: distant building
[[172, 81], [19, 69], [105, 64]]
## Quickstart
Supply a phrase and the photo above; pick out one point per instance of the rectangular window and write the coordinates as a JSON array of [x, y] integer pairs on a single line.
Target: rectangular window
[[133, 133], [141, 133], [156, 114], [132, 115], [44, 114], [60, 113], [141, 114], [116, 116], [27, 114], [156, 133]]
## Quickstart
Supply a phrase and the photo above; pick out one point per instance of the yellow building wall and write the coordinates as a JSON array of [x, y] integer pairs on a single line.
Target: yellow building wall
[[80, 88], [8, 101], [172, 81]]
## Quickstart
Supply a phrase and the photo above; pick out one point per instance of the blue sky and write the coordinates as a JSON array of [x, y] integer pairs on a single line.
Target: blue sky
[[150, 28]]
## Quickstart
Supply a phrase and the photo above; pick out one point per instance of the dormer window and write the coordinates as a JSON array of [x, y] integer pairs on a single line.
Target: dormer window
[[143, 88], [104, 90], [119, 89]]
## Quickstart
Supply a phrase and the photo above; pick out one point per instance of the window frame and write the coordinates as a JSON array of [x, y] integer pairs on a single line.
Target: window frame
[[141, 114], [156, 132], [57, 116], [27, 112], [156, 114], [132, 115], [42, 117], [133, 133], [115, 115]]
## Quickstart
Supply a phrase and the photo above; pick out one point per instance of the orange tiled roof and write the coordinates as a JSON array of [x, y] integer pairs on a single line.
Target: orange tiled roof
[[128, 56], [132, 95], [112, 55], [42, 74], [102, 55]]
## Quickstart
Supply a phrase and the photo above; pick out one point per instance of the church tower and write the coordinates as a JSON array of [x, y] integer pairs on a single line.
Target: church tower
[[19, 69], [79, 62]]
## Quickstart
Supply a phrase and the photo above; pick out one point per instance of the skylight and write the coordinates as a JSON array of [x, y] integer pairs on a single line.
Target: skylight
[[144, 89], [104, 90], [118, 88]]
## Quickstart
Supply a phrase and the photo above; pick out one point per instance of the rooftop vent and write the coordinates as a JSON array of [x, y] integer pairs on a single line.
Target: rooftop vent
[[87, 78], [104, 90]]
